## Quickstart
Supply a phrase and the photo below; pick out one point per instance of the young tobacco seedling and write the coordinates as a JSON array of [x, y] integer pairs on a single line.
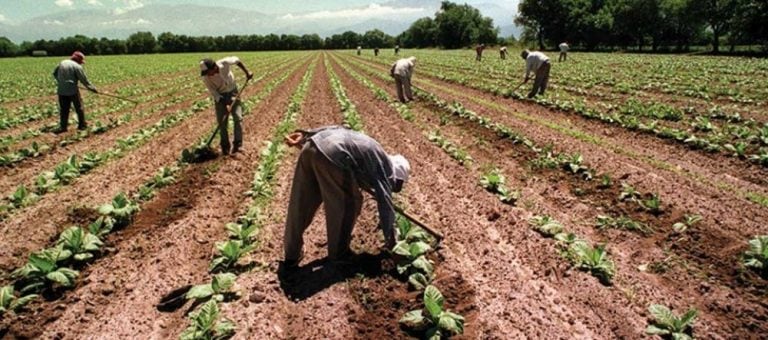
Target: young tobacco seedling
[[244, 232], [206, 324], [9, 302], [434, 318], [622, 222], [414, 263], [605, 182], [652, 204], [22, 197], [42, 270], [163, 178], [756, 256], [595, 260], [690, 220], [667, 324], [102, 226], [221, 288], [628, 193], [121, 209], [230, 253], [82, 245], [546, 225]]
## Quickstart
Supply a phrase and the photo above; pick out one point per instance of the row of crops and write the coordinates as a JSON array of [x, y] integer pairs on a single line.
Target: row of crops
[[620, 213]]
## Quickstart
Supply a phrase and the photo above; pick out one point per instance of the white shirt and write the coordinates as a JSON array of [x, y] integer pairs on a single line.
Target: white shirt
[[563, 47], [224, 81], [403, 67], [534, 61]]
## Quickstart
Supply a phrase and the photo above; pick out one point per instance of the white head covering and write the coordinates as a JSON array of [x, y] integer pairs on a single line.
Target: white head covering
[[400, 166]]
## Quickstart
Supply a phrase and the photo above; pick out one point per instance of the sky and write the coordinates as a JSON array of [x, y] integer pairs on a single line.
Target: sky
[[14, 11]]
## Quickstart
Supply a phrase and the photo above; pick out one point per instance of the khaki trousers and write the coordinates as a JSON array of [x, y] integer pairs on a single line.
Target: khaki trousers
[[318, 180], [237, 117]]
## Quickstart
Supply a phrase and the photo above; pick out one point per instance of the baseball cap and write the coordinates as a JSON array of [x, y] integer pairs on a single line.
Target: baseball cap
[[205, 65], [78, 57]]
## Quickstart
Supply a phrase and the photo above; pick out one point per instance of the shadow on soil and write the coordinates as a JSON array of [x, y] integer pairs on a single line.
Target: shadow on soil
[[301, 283]]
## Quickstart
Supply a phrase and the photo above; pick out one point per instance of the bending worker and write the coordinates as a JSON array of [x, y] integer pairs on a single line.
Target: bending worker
[[221, 85], [402, 70], [538, 63], [334, 164]]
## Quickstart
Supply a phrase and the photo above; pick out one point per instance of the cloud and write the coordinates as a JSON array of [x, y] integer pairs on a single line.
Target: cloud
[[2, 18], [373, 10], [53, 22], [139, 21], [64, 3], [128, 5], [94, 2]]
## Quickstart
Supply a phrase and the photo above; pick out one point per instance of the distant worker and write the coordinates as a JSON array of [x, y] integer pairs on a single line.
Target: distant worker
[[503, 52], [479, 50], [67, 74], [220, 81], [402, 70], [376, 52], [563, 51], [537, 63], [397, 49], [335, 163], [359, 49]]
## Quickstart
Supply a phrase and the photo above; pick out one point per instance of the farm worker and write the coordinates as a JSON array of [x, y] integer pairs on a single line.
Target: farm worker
[[67, 74], [359, 49], [503, 52], [479, 50], [563, 51], [335, 163], [397, 49], [402, 70], [220, 81], [538, 63], [376, 51]]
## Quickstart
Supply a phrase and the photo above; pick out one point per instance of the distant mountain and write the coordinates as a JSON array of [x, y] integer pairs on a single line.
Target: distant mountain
[[391, 17]]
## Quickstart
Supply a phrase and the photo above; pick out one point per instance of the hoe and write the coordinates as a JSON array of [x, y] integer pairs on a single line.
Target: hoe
[[203, 152]]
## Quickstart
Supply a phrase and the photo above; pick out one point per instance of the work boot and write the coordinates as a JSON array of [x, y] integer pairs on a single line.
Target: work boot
[[82, 127], [59, 131], [236, 149]]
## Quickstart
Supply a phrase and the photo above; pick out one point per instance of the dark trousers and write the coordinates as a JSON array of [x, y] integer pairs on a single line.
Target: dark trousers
[[542, 78], [317, 180], [65, 102]]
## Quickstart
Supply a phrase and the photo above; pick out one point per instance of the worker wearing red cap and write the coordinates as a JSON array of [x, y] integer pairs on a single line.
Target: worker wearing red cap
[[67, 74]]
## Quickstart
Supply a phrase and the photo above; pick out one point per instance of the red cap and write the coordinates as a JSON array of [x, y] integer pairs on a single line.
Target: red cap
[[78, 57]]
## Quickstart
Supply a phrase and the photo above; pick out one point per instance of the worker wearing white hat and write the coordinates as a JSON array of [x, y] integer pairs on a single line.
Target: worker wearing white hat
[[334, 165]]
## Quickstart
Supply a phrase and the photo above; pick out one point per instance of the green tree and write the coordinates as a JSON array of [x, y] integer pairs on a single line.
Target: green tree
[[544, 20], [422, 33], [141, 42], [8, 48], [463, 25], [377, 38]]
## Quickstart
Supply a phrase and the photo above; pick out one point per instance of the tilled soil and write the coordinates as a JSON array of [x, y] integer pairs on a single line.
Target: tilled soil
[[508, 281]]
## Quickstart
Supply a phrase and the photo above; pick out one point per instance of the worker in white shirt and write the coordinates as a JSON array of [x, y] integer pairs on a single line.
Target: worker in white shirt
[[503, 52], [220, 81], [563, 51], [538, 63]]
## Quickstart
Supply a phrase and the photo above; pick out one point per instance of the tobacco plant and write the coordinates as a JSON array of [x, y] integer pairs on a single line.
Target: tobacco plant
[[414, 262], [229, 254], [652, 204], [221, 288], [437, 321], [22, 197], [207, 324], [42, 270], [10, 302], [622, 222], [592, 259], [81, 244], [546, 225], [121, 210], [667, 324], [690, 220], [756, 257], [245, 231]]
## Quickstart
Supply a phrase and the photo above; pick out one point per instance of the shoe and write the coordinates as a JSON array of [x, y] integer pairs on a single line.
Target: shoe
[[236, 149], [59, 131], [225, 151], [82, 127]]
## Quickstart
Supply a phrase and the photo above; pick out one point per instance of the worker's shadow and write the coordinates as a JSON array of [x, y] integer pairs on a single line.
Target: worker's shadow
[[303, 282]]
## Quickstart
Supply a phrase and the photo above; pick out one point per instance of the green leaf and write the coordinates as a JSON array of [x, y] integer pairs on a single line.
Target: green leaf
[[63, 276], [6, 296], [402, 249], [223, 282], [433, 301], [418, 248], [414, 319], [423, 264], [418, 281], [22, 301], [198, 292], [451, 322], [663, 315]]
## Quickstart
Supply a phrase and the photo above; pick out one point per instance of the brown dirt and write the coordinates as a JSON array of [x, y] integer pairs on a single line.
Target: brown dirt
[[507, 280]]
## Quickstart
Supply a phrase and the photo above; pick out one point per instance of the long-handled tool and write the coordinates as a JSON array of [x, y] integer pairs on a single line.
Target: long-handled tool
[[202, 152], [518, 86], [113, 96], [434, 232], [235, 101]]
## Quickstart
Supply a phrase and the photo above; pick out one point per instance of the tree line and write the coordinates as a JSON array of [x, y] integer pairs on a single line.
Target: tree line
[[655, 24], [453, 26]]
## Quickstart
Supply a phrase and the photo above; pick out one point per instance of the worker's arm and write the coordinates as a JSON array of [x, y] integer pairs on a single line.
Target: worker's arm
[[84, 79], [56, 73], [392, 70], [299, 137], [528, 67], [248, 74]]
